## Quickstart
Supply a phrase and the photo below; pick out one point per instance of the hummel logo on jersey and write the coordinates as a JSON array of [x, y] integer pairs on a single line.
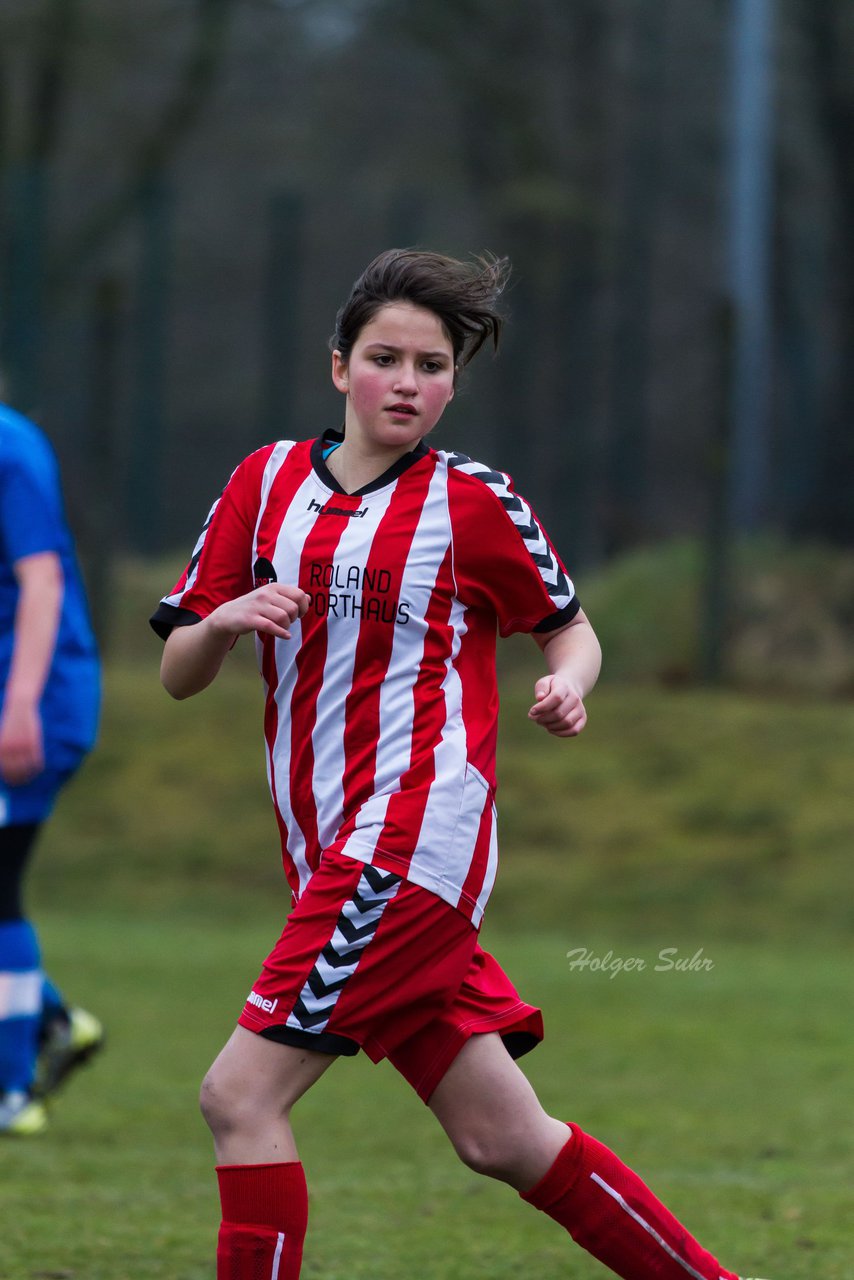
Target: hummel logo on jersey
[[326, 510], [269, 1006]]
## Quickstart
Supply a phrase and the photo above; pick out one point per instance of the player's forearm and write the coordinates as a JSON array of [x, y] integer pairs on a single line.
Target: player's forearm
[[37, 612], [574, 654], [192, 657]]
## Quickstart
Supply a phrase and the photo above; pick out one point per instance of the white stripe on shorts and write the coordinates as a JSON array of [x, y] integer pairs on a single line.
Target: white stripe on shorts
[[359, 920]]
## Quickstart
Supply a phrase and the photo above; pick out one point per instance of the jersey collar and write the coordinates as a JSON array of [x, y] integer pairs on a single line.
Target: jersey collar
[[397, 469]]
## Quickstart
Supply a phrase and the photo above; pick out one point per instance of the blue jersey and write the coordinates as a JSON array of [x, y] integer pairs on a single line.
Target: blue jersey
[[32, 520]]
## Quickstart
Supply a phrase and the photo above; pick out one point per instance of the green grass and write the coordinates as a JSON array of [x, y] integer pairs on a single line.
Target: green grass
[[725, 1088], [788, 615], [716, 824], [720, 813]]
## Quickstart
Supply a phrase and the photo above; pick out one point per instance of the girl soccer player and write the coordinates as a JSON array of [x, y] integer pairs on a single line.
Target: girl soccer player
[[49, 702], [374, 572]]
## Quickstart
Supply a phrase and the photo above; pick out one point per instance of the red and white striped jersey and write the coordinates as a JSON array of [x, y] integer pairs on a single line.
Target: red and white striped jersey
[[381, 710]]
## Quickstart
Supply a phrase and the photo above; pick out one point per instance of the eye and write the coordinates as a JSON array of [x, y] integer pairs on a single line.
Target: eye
[[433, 366], [384, 359]]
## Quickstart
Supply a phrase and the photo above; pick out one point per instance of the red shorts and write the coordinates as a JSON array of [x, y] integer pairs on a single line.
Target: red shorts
[[368, 960]]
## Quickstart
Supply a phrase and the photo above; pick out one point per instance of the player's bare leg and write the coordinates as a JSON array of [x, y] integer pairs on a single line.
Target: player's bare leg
[[493, 1117], [247, 1096], [497, 1126], [246, 1099]]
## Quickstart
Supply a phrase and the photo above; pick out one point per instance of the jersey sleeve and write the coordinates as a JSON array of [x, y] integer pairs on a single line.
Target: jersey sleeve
[[503, 559], [31, 518], [221, 565]]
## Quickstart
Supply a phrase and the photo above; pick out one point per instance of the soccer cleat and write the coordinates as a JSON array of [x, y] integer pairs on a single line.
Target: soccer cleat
[[67, 1044], [21, 1116]]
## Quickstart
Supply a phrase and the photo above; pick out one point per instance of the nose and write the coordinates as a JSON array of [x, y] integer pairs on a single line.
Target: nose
[[406, 382]]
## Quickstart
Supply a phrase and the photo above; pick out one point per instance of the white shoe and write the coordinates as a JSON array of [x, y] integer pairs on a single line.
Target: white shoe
[[20, 1115]]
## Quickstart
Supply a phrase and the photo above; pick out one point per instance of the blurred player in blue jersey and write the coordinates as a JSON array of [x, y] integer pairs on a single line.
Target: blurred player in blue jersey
[[50, 680]]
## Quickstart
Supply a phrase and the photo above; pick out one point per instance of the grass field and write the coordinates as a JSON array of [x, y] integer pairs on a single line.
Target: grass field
[[716, 828], [726, 1088]]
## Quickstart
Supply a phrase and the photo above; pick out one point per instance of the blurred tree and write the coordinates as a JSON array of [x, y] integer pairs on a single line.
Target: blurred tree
[[803, 302], [831, 25], [156, 147], [586, 141], [30, 275], [24, 184], [43, 260], [280, 314], [103, 527], [530, 138], [635, 181], [749, 177]]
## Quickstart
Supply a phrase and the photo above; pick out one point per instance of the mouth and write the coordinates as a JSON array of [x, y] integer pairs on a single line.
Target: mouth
[[402, 410]]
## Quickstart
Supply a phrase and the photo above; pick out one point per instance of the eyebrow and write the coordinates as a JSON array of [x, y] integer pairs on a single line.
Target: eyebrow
[[389, 346]]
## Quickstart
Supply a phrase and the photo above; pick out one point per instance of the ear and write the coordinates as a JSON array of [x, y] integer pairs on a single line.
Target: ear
[[340, 374]]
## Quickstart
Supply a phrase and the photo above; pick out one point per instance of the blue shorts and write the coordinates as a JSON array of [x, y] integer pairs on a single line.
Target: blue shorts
[[33, 801]]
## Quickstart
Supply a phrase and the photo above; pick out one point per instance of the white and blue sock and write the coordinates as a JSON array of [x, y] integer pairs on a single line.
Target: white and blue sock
[[21, 981]]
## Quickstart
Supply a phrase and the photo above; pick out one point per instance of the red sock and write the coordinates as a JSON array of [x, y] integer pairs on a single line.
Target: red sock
[[613, 1215], [264, 1218]]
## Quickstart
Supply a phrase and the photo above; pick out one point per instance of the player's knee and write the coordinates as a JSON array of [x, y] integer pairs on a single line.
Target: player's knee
[[486, 1153], [215, 1104], [226, 1107], [239, 1103]]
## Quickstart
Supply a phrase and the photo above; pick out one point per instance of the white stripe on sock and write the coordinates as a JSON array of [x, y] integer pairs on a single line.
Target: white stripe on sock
[[21, 994], [279, 1245], [650, 1230]]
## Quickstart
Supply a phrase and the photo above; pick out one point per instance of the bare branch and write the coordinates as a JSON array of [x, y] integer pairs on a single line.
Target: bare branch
[[155, 151], [51, 77]]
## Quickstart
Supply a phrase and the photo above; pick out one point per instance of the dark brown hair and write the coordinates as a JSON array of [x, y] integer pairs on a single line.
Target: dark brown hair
[[462, 294]]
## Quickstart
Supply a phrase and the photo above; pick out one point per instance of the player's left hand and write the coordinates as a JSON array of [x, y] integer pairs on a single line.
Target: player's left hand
[[559, 708], [21, 745]]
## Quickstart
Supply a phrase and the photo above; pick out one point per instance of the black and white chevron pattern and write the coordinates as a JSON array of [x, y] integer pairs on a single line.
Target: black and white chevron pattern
[[337, 962], [557, 583]]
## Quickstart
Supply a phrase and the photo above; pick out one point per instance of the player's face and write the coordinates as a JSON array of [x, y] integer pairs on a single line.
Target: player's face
[[398, 379]]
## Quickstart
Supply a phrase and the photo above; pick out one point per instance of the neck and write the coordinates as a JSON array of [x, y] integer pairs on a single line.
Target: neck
[[354, 468]]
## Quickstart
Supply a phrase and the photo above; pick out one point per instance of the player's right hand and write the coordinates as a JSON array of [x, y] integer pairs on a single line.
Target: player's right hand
[[269, 609]]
